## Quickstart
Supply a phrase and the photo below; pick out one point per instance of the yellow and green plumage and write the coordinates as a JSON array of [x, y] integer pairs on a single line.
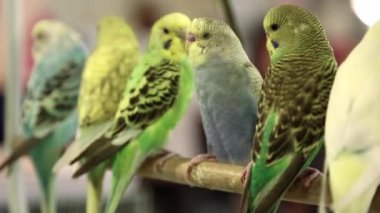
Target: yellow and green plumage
[[155, 98], [105, 75], [292, 106]]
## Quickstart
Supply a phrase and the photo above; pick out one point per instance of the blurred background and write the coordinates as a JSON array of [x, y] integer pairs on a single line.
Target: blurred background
[[345, 22]]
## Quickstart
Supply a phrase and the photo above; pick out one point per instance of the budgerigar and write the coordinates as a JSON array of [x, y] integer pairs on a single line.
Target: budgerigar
[[353, 128], [292, 105], [156, 97], [104, 79], [49, 117], [228, 86]]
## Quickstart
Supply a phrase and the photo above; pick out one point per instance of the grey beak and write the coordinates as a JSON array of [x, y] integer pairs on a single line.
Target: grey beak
[[181, 34]]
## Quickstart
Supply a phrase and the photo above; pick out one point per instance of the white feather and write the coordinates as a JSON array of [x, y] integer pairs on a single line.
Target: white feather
[[353, 125]]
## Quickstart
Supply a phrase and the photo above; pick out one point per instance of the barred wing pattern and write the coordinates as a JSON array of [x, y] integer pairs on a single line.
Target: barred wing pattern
[[152, 97], [300, 108], [53, 99]]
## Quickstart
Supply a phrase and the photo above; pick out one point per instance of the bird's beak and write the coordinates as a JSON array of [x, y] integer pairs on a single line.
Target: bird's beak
[[181, 34], [190, 38]]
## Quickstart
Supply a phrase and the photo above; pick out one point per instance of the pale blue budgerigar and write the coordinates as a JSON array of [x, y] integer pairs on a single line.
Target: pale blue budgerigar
[[49, 117], [353, 128], [228, 87]]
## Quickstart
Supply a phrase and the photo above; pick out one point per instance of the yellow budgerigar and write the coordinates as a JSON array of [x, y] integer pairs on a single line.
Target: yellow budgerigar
[[102, 86]]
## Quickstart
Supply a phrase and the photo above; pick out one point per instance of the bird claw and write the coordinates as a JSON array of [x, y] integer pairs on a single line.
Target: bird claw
[[195, 161], [245, 174], [164, 156], [309, 175]]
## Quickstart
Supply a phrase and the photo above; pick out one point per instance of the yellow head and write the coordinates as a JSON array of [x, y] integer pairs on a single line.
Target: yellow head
[[112, 29], [169, 33]]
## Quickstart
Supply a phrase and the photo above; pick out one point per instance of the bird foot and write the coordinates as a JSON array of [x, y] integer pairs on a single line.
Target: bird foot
[[163, 156], [246, 172], [309, 175], [195, 161]]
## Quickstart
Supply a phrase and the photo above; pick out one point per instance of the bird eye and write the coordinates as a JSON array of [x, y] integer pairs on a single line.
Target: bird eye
[[206, 35], [41, 36], [275, 44], [166, 30], [274, 27]]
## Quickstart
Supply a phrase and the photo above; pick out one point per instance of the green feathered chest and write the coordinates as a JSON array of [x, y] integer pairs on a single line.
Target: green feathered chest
[[296, 91]]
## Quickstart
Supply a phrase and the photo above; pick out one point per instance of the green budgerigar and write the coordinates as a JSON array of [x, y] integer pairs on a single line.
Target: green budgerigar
[[292, 105], [49, 117], [353, 128], [104, 79], [155, 98]]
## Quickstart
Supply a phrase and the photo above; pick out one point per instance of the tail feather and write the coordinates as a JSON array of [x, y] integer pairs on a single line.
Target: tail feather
[[84, 140], [271, 200], [124, 167], [94, 189], [103, 143], [48, 201], [22, 149], [324, 190], [46, 181], [268, 198], [66, 157], [101, 150], [98, 144], [95, 159]]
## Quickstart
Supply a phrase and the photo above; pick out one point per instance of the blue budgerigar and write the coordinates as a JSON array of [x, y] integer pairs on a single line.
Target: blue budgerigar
[[228, 86], [49, 117]]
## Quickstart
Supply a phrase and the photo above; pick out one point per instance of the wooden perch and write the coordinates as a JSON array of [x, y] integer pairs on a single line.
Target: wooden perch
[[225, 177]]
